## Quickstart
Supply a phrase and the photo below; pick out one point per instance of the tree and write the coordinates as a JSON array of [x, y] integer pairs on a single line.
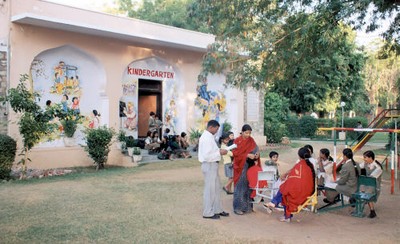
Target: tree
[[382, 76], [33, 121], [356, 13], [304, 56], [167, 12]]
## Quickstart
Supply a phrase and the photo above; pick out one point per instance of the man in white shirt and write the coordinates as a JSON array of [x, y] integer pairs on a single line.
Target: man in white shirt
[[209, 156]]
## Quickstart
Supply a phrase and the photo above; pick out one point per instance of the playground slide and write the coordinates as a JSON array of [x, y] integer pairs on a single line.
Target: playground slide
[[378, 122]]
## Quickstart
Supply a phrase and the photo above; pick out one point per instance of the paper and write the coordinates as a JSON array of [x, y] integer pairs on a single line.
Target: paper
[[231, 147], [331, 185]]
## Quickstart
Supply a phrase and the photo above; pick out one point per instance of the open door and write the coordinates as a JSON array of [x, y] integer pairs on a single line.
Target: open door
[[150, 99]]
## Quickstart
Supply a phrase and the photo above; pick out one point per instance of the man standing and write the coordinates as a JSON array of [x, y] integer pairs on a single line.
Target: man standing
[[209, 156]]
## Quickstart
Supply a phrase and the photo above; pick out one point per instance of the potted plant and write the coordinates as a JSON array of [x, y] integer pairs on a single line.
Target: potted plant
[[194, 136], [69, 120], [137, 154], [98, 143], [130, 144], [121, 143]]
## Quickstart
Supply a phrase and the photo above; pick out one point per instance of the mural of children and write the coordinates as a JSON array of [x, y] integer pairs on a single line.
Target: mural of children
[[95, 122], [75, 105], [170, 116], [131, 120], [64, 102]]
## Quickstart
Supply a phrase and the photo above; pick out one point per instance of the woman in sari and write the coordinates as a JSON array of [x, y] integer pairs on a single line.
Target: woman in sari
[[247, 150], [298, 185]]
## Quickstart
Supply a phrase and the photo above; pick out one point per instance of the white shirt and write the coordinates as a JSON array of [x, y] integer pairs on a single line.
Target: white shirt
[[208, 148], [374, 168]]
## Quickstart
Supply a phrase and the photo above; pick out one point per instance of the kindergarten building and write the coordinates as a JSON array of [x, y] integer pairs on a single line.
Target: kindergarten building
[[124, 68]]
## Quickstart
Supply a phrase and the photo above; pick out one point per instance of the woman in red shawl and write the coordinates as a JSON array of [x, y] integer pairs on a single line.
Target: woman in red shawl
[[299, 184], [246, 148], [246, 154]]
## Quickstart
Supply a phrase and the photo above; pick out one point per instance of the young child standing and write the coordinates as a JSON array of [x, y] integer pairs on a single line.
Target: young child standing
[[227, 159]]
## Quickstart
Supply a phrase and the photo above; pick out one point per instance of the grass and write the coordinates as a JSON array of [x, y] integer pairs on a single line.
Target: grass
[[116, 205]]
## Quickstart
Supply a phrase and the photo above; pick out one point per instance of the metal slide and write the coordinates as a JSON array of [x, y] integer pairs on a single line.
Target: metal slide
[[378, 122]]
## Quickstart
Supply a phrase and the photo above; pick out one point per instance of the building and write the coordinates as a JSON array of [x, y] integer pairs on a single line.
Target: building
[[122, 67]]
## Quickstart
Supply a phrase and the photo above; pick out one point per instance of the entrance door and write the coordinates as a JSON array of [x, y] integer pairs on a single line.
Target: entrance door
[[150, 100]]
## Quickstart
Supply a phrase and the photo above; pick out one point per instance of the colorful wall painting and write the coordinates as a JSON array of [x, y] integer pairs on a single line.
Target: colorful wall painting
[[173, 107], [70, 77], [128, 109], [210, 102]]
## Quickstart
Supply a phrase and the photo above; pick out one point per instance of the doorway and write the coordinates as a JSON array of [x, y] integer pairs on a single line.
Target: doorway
[[150, 99]]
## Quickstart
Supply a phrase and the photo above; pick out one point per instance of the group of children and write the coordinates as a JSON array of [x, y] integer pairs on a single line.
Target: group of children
[[323, 173]]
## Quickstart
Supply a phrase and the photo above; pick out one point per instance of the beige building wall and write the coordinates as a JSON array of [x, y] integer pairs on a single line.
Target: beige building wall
[[34, 26]]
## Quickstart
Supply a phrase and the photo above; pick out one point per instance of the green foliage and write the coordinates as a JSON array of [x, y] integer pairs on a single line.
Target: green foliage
[[131, 142], [69, 120], [308, 126], [293, 127], [98, 143], [226, 126], [137, 151], [33, 122], [8, 148], [276, 109], [306, 57], [167, 12], [194, 135], [121, 136]]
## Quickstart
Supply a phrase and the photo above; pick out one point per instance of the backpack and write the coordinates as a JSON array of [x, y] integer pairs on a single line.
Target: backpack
[[163, 155]]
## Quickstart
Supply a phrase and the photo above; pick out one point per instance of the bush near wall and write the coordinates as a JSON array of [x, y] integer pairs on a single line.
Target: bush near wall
[[8, 149], [274, 131]]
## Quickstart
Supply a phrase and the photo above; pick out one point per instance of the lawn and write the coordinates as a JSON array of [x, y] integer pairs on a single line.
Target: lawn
[[116, 205]]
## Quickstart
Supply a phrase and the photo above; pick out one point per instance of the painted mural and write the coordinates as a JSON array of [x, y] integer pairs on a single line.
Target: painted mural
[[60, 76], [210, 102], [171, 112], [173, 107], [128, 107]]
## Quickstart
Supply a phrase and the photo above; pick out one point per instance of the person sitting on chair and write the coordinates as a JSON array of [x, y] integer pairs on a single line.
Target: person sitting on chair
[[325, 167], [347, 183], [372, 168], [252, 177], [299, 185]]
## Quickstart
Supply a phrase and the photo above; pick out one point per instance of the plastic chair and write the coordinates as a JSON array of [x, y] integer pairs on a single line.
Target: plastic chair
[[269, 175], [311, 202], [366, 192]]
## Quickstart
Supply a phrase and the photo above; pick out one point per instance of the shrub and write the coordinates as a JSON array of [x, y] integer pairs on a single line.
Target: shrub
[[308, 126], [8, 149], [274, 131], [292, 126], [98, 143], [276, 109]]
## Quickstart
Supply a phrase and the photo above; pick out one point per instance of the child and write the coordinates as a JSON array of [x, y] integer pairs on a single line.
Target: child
[[224, 140], [273, 161]]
